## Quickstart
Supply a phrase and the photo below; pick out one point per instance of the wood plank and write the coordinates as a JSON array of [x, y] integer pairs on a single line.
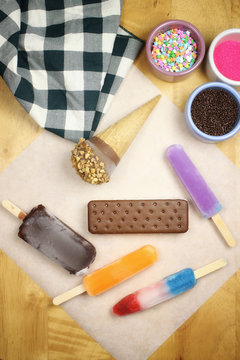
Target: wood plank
[[31, 327], [18, 129], [67, 341], [24, 316]]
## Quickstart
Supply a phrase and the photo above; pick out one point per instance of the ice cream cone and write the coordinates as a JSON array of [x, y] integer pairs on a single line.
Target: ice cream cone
[[115, 140], [95, 159]]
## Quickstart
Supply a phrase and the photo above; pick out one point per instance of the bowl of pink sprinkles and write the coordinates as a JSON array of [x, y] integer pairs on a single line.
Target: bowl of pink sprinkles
[[223, 60]]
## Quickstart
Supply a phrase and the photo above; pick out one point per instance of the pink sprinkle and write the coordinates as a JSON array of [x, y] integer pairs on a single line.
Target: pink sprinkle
[[227, 59]]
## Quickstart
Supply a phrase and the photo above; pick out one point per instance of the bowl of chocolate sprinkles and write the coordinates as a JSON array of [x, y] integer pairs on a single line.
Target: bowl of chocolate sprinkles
[[212, 112]]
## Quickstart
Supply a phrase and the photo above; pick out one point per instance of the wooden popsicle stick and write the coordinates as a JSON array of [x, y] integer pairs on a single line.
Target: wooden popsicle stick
[[222, 227], [13, 209], [68, 295], [207, 269]]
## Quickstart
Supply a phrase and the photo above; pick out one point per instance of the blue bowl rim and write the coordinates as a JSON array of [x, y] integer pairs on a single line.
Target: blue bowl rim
[[200, 133]]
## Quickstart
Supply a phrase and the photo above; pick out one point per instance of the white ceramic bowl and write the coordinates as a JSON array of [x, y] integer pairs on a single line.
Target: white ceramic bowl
[[211, 69]]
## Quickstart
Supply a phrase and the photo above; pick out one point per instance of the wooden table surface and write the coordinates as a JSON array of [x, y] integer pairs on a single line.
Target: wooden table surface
[[31, 329]]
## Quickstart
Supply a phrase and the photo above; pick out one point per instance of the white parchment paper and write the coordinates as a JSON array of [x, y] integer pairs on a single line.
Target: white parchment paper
[[43, 174]]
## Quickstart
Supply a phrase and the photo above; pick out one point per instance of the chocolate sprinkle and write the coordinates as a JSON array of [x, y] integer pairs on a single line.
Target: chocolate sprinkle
[[214, 111]]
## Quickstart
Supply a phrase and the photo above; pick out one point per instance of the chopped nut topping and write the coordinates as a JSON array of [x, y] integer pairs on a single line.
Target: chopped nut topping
[[87, 164]]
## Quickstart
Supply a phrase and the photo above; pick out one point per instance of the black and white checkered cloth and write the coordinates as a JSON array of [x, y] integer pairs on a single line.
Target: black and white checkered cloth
[[64, 60]]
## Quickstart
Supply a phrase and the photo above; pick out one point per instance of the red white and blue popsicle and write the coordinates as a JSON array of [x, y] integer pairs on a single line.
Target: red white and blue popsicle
[[164, 289], [197, 187]]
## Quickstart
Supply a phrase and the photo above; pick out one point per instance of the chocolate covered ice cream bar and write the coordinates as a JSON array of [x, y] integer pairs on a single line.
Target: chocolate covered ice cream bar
[[137, 216], [48, 234]]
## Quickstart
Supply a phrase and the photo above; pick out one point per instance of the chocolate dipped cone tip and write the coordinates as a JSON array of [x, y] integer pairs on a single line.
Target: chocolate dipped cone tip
[[88, 165], [105, 149]]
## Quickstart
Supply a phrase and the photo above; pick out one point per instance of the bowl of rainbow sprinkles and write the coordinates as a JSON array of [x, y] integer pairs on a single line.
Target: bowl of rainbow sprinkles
[[174, 50]]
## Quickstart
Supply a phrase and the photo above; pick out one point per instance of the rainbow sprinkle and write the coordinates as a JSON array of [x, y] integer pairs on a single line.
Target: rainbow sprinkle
[[174, 50]]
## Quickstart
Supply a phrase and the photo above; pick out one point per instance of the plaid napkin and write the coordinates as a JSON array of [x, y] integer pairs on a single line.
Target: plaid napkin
[[65, 60]]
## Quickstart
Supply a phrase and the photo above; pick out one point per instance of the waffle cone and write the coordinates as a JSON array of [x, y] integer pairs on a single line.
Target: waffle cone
[[120, 135]]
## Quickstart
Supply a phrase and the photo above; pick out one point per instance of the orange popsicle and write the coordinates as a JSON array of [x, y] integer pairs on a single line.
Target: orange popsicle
[[112, 274]]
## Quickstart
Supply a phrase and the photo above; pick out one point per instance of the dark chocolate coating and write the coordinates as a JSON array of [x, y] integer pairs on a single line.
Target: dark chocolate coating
[[46, 233], [137, 216], [105, 149]]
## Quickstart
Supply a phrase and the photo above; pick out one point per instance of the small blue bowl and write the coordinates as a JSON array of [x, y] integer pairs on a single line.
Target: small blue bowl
[[188, 117]]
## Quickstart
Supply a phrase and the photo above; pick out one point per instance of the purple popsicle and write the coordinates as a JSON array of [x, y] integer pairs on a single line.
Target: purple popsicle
[[197, 187], [193, 181]]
